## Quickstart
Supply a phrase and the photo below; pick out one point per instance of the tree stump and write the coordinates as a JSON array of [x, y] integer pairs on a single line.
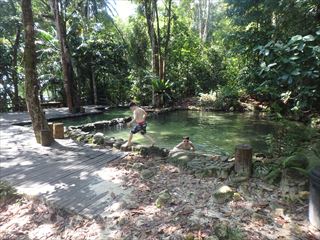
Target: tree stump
[[46, 137], [243, 159], [58, 131]]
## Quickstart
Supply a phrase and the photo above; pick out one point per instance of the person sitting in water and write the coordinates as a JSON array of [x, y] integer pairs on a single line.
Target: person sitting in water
[[186, 144], [139, 117]]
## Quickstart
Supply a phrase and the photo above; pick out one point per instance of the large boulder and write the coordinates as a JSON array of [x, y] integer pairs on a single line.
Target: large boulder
[[201, 164]]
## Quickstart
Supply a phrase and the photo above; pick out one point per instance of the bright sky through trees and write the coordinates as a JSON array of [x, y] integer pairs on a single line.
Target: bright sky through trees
[[124, 8]]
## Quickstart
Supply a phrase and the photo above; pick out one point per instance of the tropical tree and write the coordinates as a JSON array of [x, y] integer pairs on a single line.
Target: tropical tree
[[38, 119]]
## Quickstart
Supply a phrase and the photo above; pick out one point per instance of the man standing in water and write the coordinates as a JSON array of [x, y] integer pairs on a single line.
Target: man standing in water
[[139, 118]]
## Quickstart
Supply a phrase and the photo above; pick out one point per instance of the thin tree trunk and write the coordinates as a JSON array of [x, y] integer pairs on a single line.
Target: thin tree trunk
[[14, 68], [38, 119], [200, 19], [167, 39], [94, 86], [152, 36], [15, 47], [70, 87], [206, 23], [158, 40]]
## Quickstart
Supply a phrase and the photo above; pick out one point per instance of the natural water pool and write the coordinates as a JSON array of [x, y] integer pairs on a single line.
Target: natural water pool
[[213, 132], [108, 115]]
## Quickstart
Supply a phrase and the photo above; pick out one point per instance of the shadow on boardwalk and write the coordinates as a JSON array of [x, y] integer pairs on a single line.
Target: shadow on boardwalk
[[66, 175]]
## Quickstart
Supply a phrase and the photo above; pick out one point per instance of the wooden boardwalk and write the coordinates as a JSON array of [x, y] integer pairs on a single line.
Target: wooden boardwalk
[[68, 176]]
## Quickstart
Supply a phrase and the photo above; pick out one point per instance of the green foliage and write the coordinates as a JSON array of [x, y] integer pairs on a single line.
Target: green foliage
[[6, 191], [290, 72], [141, 90], [224, 98]]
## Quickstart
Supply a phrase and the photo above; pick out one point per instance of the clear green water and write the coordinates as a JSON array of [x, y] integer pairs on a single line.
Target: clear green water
[[211, 132], [108, 115]]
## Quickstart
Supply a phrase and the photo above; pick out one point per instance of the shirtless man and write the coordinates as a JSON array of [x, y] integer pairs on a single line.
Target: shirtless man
[[139, 117]]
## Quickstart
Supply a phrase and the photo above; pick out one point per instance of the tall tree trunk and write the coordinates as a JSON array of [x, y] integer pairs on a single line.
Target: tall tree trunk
[[38, 119], [166, 46], [73, 101], [149, 12]]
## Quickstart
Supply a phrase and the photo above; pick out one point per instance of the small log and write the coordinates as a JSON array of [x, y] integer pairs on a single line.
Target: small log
[[46, 137], [58, 131], [243, 160]]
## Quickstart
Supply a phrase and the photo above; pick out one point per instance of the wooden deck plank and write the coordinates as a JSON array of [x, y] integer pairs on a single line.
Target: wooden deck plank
[[56, 173], [73, 178], [37, 163], [45, 166], [53, 171], [90, 182]]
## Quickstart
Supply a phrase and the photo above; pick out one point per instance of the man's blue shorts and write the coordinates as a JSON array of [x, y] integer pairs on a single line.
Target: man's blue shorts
[[141, 127]]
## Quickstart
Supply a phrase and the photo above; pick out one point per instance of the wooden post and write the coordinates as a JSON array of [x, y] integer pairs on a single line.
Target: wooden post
[[58, 131], [243, 159], [51, 127], [46, 137]]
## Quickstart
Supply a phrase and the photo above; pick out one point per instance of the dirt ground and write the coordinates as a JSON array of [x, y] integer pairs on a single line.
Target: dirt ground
[[168, 203]]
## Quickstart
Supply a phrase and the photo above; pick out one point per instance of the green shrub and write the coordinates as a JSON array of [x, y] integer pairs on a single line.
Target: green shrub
[[222, 99], [6, 191]]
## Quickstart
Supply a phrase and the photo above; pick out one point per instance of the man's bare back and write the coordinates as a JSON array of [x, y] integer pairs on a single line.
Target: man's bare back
[[139, 117]]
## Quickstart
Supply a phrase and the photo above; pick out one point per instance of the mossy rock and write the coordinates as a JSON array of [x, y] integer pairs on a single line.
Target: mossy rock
[[152, 151], [138, 166], [163, 198], [118, 143], [147, 174]]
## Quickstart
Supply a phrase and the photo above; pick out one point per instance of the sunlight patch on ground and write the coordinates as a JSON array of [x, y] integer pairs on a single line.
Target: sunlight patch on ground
[[39, 188]]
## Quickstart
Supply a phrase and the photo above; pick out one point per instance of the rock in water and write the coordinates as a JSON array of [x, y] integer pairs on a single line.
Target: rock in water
[[98, 138], [223, 194], [163, 198]]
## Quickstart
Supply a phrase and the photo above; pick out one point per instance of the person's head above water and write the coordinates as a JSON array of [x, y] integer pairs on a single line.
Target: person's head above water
[[132, 105], [186, 139]]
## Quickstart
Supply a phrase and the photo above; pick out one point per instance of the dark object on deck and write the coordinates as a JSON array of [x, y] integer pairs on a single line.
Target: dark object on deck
[[243, 160], [46, 137], [58, 131], [314, 199]]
